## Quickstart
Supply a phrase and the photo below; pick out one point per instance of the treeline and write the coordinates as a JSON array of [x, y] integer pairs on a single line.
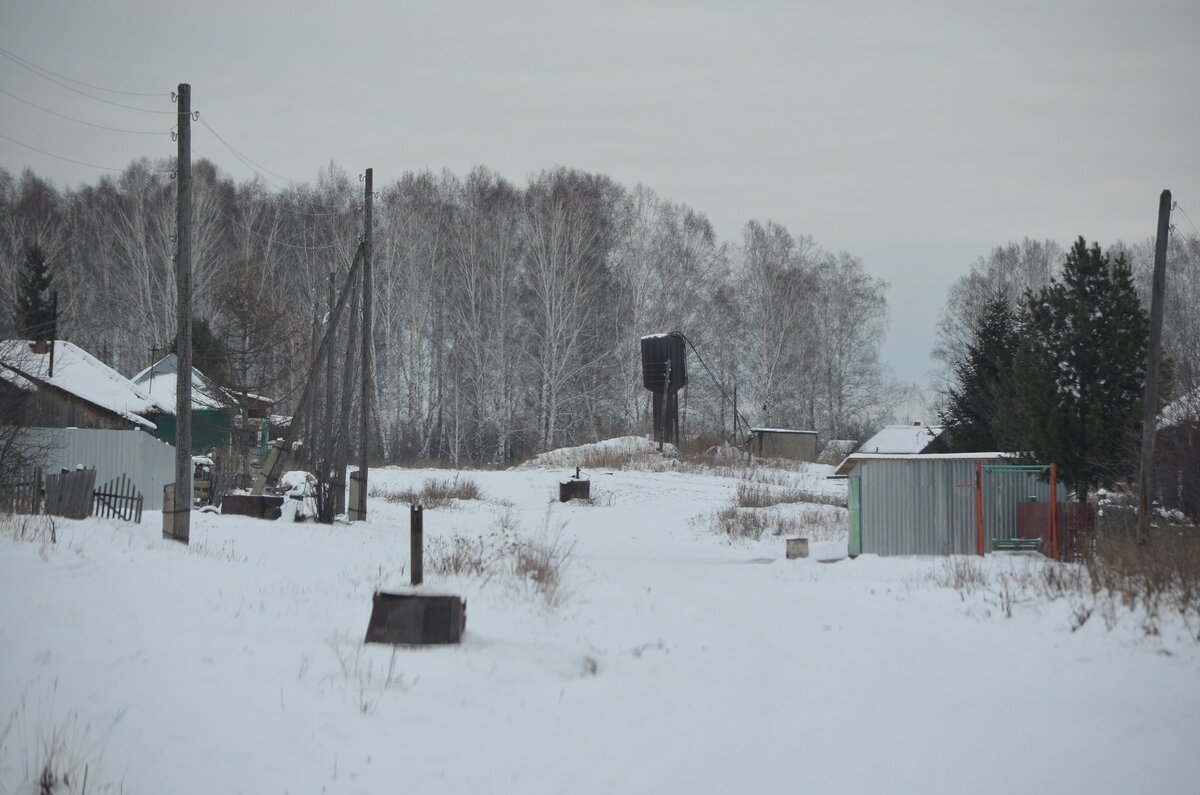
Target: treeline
[[1045, 353], [506, 317]]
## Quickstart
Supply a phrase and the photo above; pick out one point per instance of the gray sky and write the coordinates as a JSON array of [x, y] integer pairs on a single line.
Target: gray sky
[[916, 136]]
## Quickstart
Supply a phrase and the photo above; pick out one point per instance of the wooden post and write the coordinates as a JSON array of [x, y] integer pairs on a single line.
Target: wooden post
[[179, 528], [1153, 357], [358, 511], [416, 543], [979, 538], [1054, 550]]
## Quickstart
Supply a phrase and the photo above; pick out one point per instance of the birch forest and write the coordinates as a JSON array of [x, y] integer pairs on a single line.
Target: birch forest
[[506, 317]]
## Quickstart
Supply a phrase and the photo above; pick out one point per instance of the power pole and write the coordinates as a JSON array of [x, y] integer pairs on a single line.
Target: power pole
[[183, 320], [177, 517], [358, 506], [1153, 366]]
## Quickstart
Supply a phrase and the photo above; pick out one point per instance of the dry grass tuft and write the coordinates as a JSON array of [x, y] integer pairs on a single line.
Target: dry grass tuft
[[434, 492], [751, 494], [537, 563]]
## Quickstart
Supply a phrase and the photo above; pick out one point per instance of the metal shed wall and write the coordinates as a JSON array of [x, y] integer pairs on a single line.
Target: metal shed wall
[[147, 461], [925, 505]]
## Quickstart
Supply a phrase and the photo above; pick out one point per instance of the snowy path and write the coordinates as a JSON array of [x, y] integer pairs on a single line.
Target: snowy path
[[677, 663]]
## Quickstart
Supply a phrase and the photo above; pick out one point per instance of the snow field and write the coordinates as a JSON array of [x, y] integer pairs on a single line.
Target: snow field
[[674, 660]]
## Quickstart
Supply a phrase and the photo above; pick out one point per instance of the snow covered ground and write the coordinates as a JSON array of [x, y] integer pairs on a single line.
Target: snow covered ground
[[672, 660]]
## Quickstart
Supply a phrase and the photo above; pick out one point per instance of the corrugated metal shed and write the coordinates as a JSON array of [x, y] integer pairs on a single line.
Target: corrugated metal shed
[[925, 504]]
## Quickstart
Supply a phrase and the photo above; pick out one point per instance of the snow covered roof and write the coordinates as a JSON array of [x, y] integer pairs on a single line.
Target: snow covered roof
[[836, 450], [158, 380], [893, 440], [1181, 410], [779, 430], [78, 372]]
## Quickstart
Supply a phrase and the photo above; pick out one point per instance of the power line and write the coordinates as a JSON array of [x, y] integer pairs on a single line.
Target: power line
[[1189, 220], [275, 242], [59, 157], [20, 63], [34, 67], [254, 167], [80, 121]]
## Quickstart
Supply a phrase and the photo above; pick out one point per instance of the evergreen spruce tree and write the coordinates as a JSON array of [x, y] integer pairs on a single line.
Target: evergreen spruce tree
[[35, 315], [1082, 363], [977, 414]]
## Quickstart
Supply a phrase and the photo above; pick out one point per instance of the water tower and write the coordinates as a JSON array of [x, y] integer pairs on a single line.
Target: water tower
[[664, 373]]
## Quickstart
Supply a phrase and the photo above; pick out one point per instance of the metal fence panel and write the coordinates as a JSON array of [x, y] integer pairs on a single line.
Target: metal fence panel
[[148, 462]]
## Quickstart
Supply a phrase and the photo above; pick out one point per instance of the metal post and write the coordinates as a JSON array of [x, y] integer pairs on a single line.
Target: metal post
[[416, 543]]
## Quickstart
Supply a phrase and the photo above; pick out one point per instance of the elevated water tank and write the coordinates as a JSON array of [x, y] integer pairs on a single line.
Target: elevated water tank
[[664, 362]]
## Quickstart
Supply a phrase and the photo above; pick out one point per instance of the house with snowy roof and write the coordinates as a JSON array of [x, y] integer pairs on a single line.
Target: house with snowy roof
[[63, 386], [912, 439], [214, 412]]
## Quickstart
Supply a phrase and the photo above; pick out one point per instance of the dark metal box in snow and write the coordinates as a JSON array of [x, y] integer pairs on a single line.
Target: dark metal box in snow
[[416, 619]]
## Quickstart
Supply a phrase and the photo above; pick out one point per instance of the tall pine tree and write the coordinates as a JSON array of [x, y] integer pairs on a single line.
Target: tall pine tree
[[35, 315], [977, 409], [1082, 364]]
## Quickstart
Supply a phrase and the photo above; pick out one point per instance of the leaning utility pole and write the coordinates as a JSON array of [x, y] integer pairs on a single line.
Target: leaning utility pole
[[177, 515], [358, 502], [1153, 366]]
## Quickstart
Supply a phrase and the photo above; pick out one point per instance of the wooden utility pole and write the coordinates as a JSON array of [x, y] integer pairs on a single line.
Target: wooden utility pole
[[1153, 366], [358, 502], [177, 517]]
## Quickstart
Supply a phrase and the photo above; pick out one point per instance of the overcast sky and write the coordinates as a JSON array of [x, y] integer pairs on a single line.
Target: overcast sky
[[915, 135]]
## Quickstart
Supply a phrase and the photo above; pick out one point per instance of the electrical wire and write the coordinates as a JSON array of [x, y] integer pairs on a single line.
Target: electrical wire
[[1189, 220], [32, 66], [716, 380], [80, 121], [275, 242], [255, 167], [21, 63], [60, 157]]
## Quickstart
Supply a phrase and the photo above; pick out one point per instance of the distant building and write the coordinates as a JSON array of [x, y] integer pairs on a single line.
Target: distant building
[[912, 439], [214, 413], [783, 443], [63, 386]]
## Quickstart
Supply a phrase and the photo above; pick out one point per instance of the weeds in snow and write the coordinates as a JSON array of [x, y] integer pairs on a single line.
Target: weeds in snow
[[1116, 575], [752, 494], [57, 756], [434, 492], [537, 563], [759, 510], [365, 677]]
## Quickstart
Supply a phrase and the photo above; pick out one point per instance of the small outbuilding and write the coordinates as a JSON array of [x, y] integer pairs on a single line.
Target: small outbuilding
[[783, 443], [950, 504]]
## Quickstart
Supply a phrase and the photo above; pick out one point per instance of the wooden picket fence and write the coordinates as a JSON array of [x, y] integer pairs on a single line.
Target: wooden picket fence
[[69, 494], [119, 499], [24, 497]]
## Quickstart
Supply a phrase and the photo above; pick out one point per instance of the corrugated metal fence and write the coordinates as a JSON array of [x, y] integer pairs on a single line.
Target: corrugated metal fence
[[925, 505], [147, 462]]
